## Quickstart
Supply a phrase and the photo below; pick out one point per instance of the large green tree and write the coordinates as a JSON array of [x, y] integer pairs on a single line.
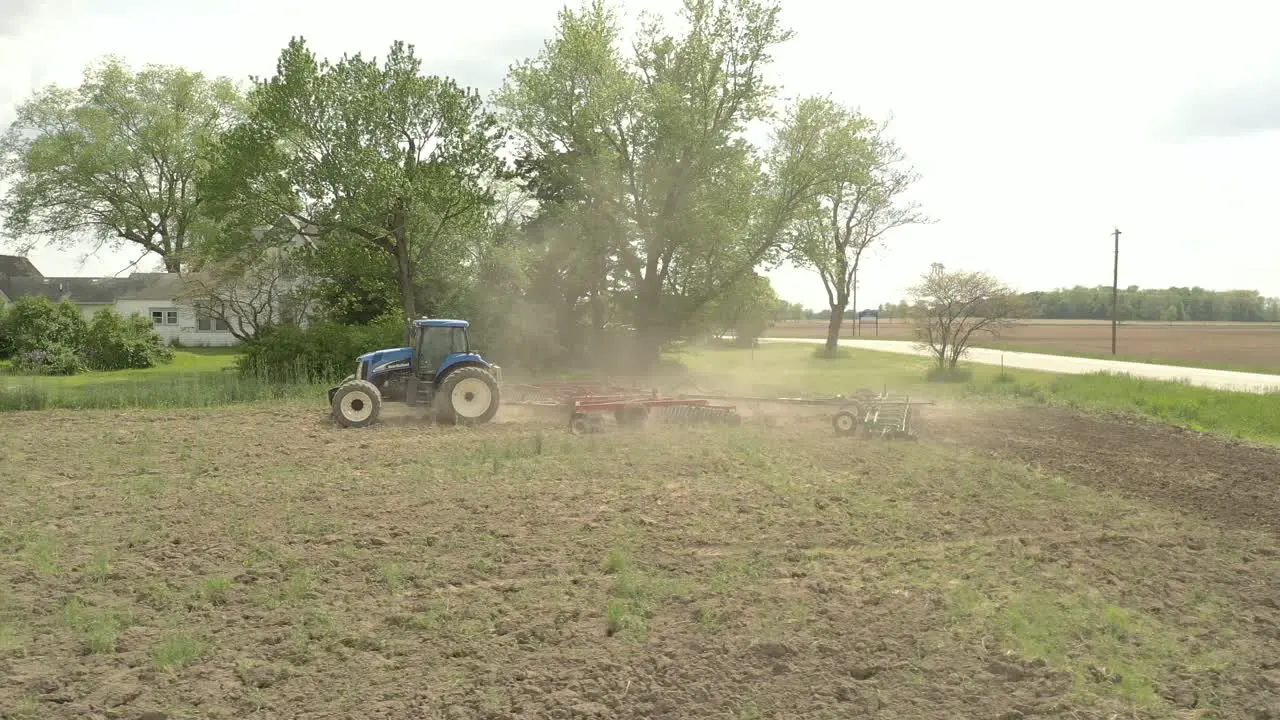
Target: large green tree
[[366, 153], [856, 206], [559, 103], [656, 142], [114, 161]]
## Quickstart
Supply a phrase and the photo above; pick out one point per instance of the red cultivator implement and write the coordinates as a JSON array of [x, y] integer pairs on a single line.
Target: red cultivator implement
[[587, 406], [863, 414]]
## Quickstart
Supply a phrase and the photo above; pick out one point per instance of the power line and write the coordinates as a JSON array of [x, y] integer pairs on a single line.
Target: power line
[[1115, 290]]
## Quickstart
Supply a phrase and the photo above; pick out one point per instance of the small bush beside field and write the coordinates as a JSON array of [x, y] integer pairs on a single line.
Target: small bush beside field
[[319, 353], [46, 338]]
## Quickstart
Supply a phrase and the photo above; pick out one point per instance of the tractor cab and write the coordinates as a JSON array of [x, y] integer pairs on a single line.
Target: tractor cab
[[439, 370], [435, 342]]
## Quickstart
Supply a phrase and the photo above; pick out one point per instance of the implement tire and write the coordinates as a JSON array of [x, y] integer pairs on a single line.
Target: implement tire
[[468, 396], [357, 404], [847, 421]]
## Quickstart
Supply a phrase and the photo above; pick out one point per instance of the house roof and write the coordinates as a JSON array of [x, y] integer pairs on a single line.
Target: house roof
[[17, 266], [96, 291]]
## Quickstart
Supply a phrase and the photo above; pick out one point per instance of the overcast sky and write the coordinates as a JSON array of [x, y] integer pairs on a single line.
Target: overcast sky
[[1036, 130]]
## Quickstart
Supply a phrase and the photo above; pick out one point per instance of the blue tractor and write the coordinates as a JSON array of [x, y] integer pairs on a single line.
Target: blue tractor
[[439, 372]]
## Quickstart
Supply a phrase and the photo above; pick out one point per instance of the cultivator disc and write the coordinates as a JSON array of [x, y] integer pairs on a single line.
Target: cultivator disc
[[685, 415], [589, 407]]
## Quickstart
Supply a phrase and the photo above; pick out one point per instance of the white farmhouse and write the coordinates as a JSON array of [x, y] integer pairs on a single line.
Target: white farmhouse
[[156, 296]]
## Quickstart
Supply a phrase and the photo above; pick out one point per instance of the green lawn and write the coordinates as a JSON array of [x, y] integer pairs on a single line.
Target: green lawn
[[186, 361], [197, 377], [794, 369]]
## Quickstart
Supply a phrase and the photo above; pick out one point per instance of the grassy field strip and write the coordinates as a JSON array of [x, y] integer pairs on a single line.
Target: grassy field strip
[[196, 378]]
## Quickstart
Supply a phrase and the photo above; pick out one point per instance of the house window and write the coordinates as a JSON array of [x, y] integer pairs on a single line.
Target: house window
[[164, 317], [208, 324]]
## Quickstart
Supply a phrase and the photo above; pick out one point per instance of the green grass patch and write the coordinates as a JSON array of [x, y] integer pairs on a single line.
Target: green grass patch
[[196, 378], [637, 595], [98, 629], [214, 591], [1102, 644], [1247, 416], [795, 368], [1108, 649], [186, 361], [176, 652], [161, 392]]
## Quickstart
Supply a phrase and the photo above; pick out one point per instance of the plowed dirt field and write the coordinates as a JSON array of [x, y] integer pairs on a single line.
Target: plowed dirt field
[[263, 564]]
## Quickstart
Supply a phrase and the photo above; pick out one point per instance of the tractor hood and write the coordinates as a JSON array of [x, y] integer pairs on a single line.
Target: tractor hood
[[380, 361]]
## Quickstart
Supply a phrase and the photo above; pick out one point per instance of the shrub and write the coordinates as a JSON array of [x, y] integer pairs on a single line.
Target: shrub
[[114, 342], [6, 346], [947, 374], [324, 352], [36, 323], [55, 359], [45, 338]]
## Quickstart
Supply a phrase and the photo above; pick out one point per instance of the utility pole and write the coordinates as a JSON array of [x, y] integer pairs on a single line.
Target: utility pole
[[1115, 291]]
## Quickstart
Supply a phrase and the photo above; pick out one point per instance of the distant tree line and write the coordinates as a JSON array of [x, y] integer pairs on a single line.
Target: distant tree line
[[1134, 303]]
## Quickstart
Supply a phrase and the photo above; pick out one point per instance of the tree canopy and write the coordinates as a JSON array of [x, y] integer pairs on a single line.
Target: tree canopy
[[114, 161], [609, 198], [364, 153], [855, 207], [642, 166]]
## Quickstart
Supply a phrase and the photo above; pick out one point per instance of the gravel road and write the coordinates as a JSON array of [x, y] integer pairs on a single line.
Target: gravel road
[[1217, 379]]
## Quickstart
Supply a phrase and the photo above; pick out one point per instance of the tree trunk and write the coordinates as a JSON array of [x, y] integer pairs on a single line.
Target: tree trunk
[[833, 329], [857, 321], [408, 298], [837, 320], [649, 326], [172, 264], [568, 331], [649, 340]]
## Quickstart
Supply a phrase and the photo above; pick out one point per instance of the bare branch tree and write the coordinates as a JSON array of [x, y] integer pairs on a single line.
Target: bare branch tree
[[252, 292], [951, 309]]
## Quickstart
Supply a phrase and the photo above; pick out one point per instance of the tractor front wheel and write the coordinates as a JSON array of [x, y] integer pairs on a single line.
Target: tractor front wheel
[[468, 396], [357, 404]]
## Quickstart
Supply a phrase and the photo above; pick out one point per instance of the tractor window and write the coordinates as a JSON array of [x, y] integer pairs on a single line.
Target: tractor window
[[460, 340], [437, 343]]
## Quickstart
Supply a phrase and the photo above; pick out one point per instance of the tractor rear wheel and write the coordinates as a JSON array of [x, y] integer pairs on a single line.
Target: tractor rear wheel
[[357, 404], [468, 396]]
